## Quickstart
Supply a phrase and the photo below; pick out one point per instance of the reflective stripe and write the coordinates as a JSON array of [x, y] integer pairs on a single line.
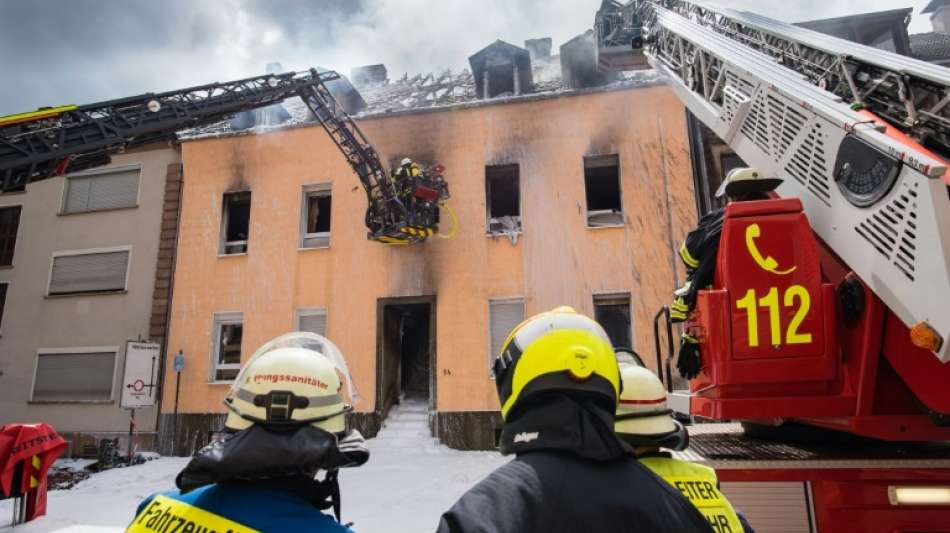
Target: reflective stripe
[[167, 515], [687, 257], [313, 401], [699, 485]]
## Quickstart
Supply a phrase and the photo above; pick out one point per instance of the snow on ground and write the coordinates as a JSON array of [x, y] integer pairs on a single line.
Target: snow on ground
[[409, 481]]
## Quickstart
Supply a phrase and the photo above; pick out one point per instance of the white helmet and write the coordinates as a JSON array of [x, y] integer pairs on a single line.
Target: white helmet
[[742, 181], [642, 416], [297, 378], [405, 161]]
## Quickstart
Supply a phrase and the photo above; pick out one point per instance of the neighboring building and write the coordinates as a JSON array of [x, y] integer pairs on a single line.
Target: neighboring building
[[85, 266], [564, 197]]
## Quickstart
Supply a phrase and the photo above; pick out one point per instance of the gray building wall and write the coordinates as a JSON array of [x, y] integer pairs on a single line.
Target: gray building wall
[[32, 320]]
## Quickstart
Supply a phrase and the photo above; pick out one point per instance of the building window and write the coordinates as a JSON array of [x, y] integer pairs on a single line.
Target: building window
[[89, 272], [313, 320], [98, 190], [503, 316], [3, 300], [226, 355], [9, 224], [503, 190], [602, 187], [235, 221], [612, 312], [315, 219], [74, 374]]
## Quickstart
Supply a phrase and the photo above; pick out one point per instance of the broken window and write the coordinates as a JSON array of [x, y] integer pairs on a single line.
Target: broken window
[[312, 320], [315, 225], [503, 316], [226, 358], [74, 375], [235, 222], [503, 191], [9, 224], [612, 312], [602, 186]]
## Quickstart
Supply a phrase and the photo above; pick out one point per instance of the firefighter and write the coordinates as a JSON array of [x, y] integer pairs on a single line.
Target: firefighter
[[644, 422], [286, 422], [558, 382], [699, 251]]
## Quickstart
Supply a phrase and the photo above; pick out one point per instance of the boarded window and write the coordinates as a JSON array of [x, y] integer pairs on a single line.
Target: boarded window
[[503, 190], [89, 272], [95, 192], [74, 376], [9, 224], [226, 356], [602, 187], [235, 222], [3, 300], [312, 320], [503, 316], [612, 312], [315, 225]]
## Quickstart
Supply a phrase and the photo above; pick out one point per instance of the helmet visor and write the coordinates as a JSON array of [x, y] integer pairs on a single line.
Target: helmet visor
[[312, 342]]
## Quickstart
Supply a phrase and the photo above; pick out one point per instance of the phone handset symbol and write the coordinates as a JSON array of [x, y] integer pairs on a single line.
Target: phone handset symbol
[[767, 263]]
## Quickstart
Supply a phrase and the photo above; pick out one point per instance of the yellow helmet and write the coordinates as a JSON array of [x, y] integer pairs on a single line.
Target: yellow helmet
[[642, 415], [558, 350], [294, 379]]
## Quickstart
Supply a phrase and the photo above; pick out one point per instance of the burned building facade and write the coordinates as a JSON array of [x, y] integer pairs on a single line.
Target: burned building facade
[[563, 197]]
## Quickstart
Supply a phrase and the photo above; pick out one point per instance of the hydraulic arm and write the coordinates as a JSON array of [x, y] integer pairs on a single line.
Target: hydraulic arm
[[53, 141]]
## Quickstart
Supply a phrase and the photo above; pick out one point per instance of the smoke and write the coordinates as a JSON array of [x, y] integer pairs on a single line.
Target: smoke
[[82, 51]]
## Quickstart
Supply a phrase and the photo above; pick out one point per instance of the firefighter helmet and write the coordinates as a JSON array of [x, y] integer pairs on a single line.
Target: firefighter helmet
[[295, 379], [742, 182], [642, 416], [560, 350], [405, 161]]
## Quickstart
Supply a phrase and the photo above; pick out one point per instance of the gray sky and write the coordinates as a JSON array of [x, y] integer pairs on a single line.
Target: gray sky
[[56, 52]]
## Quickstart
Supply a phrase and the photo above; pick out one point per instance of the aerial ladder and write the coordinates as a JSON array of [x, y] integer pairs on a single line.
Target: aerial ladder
[[55, 141], [830, 308]]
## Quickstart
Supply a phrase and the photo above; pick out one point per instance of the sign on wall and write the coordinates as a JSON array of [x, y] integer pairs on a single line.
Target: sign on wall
[[140, 380]]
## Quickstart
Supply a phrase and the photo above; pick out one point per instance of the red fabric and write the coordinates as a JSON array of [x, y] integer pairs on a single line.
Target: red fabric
[[21, 442]]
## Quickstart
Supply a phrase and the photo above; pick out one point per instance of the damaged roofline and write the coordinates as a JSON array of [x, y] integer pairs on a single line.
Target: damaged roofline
[[437, 109]]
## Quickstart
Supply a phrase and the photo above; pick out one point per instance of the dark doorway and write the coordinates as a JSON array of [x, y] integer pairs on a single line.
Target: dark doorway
[[406, 351]]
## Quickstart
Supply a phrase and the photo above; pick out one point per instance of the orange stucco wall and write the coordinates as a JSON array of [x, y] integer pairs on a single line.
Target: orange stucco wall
[[557, 261]]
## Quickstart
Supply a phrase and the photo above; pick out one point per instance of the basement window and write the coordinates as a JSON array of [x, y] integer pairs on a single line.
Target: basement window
[[226, 355], [612, 312], [315, 222], [235, 221], [602, 187], [504, 315], [502, 186]]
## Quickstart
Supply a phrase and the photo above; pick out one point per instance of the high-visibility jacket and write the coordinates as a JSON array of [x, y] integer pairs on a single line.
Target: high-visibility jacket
[[236, 507], [699, 485]]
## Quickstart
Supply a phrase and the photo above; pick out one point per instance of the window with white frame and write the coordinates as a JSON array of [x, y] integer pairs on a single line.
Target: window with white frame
[[226, 349], [98, 190], [315, 216], [75, 374], [503, 316], [612, 312], [313, 320], [89, 271], [235, 223]]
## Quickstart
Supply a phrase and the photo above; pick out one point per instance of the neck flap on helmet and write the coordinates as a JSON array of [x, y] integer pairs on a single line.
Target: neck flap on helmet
[[274, 453]]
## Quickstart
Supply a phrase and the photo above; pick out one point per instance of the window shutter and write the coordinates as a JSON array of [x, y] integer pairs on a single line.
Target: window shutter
[[102, 191], [74, 377], [314, 323], [89, 272], [503, 316]]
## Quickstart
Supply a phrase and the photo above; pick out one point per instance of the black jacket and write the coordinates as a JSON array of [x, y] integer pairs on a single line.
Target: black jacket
[[550, 492], [570, 474]]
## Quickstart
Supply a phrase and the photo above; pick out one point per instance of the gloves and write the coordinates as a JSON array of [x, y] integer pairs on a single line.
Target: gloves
[[679, 310], [689, 362]]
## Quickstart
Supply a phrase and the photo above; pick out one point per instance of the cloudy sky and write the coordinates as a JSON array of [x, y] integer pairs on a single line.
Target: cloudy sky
[[79, 51]]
